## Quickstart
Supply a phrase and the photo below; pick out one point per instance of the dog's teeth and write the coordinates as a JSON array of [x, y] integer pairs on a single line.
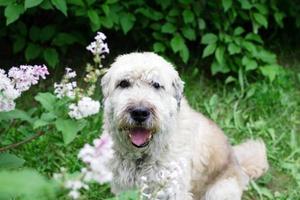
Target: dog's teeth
[[130, 135], [150, 136]]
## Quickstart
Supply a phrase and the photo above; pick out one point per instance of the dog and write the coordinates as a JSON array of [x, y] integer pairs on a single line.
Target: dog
[[161, 145]]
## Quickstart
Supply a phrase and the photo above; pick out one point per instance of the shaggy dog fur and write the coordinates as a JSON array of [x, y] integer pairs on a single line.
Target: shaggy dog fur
[[153, 128]]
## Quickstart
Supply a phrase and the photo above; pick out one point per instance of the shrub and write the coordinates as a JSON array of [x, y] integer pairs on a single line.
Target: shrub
[[229, 31]]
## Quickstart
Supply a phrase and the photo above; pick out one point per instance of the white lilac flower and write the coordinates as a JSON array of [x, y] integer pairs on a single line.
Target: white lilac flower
[[97, 158], [66, 88], [18, 80], [84, 108], [98, 47]]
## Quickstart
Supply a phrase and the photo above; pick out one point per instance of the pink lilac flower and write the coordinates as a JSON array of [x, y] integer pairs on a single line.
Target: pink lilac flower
[[18, 80], [97, 158]]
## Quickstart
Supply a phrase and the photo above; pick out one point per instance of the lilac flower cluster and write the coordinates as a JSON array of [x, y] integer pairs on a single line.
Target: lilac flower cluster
[[18, 80], [66, 88], [84, 108], [96, 157], [98, 47]]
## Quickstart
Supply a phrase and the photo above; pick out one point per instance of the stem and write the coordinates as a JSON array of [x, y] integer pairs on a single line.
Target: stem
[[12, 146]]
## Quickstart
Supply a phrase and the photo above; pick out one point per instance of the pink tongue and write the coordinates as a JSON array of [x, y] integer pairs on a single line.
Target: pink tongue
[[139, 136]]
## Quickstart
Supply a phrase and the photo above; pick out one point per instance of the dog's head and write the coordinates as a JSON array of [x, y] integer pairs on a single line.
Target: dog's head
[[142, 94]]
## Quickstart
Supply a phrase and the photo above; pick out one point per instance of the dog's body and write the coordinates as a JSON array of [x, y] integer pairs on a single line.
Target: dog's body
[[158, 137]]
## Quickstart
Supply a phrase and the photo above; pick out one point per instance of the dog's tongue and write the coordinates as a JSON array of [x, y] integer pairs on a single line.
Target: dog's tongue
[[139, 136]]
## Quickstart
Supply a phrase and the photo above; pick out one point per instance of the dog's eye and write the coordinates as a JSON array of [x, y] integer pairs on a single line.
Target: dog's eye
[[156, 85], [124, 84]]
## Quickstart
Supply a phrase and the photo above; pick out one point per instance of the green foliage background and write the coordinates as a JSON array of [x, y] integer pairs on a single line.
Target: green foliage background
[[226, 33]]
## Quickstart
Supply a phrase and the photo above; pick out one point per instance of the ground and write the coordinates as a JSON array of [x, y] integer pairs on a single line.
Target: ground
[[261, 109]]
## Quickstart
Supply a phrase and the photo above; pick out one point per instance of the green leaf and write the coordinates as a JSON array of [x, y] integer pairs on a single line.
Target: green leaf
[[25, 184], [93, 16], [35, 33], [47, 100], [279, 18], [19, 44], [245, 4], [201, 24], [10, 161], [159, 47], [209, 49], [184, 53], [168, 28], [219, 68], [238, 31], [127, 21], [69, 129], [39, 123], [188, 16], [261, 19], [32, 3], [249, 63], [47, 33], [51, 56], [270, 71], [5, 2], [254, 37], [32, 51], [63, 39], [233, 49], [209, 38], [220, 51], [266, 56], [189, 33], [226, 4], [249, 46], [16, 114], [60, 5], [12, 12], [177, 43]]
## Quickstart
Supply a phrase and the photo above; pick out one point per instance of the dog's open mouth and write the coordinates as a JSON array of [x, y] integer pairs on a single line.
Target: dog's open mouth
[[140, 137]]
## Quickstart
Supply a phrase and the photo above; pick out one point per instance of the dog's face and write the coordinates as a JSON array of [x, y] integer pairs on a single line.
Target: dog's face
[[142, 94]]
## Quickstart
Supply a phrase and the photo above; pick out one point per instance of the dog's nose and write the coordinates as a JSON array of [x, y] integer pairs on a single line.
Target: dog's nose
[[140, 114]]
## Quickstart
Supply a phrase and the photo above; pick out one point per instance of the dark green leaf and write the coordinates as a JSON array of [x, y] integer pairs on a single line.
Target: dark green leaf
[[39, 123], [261, 19], [189, 33], [238, 31], [220, 51], [254, 37], [10, 161], [209, 38], [209, 49], [245, 4], [201, 24], [249, 46], [93, 16], [219, 68], [184, 53], [262, 8], [266, 56], [233, 49], [69, 129], [60, 5], [226, 4], [63, 39], [279, 18], [35, 33], [47, 100], [12, 12], [249, 63], [19, 44], [32, 51], [127, 21], [177, 43], [5, 2], [188, 16], [51, 56], [47, 33], [168, 28], [159, 47], [32, 3]]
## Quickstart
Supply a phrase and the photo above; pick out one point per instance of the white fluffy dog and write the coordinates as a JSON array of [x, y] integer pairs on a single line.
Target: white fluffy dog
[[162, 146]]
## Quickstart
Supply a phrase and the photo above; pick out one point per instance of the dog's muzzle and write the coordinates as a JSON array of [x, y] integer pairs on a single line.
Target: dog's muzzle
[[140, 114]]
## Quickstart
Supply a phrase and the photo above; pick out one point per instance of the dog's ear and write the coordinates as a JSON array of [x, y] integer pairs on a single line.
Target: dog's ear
[[105, 85], [178, 86]]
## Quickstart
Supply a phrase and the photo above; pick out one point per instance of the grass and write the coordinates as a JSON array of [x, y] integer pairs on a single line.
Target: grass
[[270, 111]]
